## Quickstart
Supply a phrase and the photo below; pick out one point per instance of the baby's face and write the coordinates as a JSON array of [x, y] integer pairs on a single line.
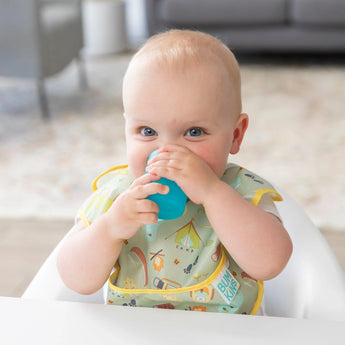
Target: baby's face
[[190, 109]]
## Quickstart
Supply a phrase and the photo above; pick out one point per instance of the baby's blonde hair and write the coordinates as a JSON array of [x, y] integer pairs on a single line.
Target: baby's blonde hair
[[182, 49]]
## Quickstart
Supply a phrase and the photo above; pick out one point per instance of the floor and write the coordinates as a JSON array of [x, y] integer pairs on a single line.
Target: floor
[[24, 245], [22, 254]]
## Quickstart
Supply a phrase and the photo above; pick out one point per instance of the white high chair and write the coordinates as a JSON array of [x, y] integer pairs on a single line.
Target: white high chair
[[312, 286]]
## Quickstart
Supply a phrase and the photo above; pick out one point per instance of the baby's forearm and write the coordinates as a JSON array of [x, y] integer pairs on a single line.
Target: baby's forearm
[[88, 256], [255, 239]]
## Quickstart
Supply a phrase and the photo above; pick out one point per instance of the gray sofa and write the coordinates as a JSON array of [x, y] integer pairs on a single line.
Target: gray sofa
[[257, 25]]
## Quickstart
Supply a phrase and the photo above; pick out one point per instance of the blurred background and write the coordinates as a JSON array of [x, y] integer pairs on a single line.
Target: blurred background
[[61, 124]]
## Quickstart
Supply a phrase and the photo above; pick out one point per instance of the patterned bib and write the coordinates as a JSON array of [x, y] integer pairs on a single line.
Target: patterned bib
[[179, 263]]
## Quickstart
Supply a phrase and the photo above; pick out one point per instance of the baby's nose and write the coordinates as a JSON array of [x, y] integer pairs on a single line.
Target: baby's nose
[[172, 140]]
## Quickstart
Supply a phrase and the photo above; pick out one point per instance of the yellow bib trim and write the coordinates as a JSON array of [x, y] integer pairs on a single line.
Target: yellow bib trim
[[259, 193], [94, 185], [206, 282]]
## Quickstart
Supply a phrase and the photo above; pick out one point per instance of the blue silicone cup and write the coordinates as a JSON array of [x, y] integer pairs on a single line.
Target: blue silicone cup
[[171, 205]]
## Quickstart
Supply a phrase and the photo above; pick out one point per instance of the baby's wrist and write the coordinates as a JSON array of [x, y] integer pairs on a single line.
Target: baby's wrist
[[106, 224], [212, 192]]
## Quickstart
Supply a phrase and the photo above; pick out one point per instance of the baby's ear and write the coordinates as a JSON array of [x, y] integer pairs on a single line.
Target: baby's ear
[[239, 131]]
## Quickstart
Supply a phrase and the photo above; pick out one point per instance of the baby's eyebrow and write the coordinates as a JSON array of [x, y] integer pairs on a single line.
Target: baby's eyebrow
[[139, 122]]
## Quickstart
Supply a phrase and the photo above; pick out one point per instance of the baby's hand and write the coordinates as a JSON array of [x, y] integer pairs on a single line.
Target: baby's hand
[[131, 209], [189, 171]]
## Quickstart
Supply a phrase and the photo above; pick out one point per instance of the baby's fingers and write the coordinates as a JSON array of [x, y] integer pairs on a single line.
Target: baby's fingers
[[148, 218], [147, 211], [143, 191], [146, 206], [143, 180]]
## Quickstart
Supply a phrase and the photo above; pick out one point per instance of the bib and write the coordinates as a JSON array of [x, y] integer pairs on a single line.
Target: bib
[[179, 263]]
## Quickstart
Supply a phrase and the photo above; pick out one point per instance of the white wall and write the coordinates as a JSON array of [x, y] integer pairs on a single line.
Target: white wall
[[136, 25]]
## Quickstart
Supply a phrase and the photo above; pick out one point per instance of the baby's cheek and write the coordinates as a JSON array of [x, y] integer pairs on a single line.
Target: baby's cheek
[[137, 171], [217, 164], [135, 167], [136, 164]]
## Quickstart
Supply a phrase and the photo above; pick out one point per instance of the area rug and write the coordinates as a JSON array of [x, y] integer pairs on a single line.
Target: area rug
[[296, 137]]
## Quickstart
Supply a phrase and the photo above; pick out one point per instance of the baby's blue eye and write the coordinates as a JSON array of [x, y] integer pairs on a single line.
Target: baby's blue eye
[[195, 132], [148, 132]]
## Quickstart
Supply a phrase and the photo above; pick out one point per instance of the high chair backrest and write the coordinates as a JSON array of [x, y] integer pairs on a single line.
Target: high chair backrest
[[312, 286]]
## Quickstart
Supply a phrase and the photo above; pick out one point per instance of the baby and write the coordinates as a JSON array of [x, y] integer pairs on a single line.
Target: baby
[[182, 97]]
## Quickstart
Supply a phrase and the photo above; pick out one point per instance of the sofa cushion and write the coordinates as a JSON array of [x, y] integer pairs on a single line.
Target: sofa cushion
[[230, 12], [318, 12]]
